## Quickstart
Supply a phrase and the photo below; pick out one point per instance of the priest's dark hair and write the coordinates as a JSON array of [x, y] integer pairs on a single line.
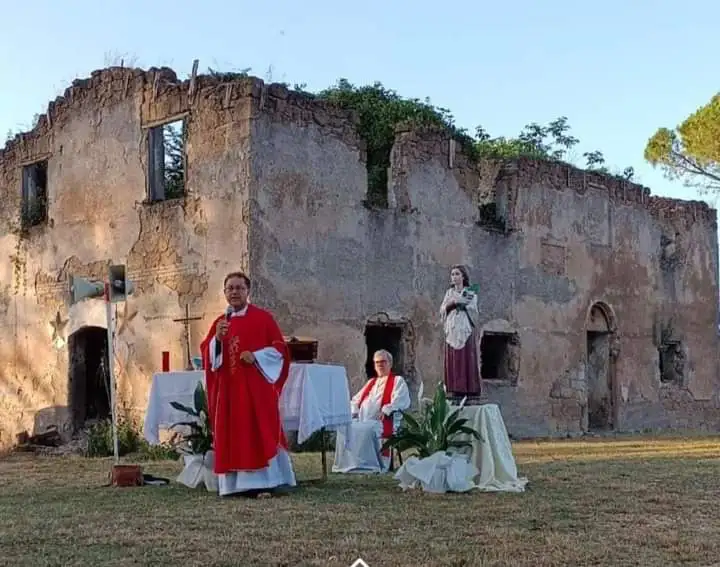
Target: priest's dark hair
[[240, 275]]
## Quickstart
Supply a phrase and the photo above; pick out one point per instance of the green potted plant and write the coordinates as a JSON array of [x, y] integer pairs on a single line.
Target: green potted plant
[[197, 444], [438, 436]]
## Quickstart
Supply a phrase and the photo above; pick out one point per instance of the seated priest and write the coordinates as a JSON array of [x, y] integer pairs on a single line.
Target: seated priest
[[376, 416]]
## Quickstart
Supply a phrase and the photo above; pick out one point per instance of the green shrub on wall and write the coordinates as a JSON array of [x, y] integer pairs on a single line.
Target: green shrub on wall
[[380, 110]]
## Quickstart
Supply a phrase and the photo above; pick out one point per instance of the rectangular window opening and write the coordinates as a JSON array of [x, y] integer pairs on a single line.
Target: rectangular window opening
[[671, 362], [499, 355], [378, 168], [167, 161], [35, 194]]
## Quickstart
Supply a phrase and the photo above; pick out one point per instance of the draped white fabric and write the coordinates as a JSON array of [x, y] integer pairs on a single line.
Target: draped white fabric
[[314, 396], [489, 466]]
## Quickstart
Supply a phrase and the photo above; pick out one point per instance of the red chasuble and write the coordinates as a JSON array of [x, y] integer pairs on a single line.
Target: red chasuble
[[243, 407], [387, 421]]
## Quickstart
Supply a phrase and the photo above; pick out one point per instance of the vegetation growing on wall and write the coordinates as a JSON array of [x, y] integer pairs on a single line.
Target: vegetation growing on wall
[[381, 109]]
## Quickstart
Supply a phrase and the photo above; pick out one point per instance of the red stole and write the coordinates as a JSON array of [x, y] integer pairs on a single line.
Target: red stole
[[243, 407], [387, 421]]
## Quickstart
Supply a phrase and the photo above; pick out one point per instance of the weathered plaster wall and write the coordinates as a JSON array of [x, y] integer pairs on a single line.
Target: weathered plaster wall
[[313, 254], [594, 239], [574, 239], [276, 184], [175, 250]]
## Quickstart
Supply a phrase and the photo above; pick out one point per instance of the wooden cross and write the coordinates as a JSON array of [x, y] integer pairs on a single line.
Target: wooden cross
[[187, 320]]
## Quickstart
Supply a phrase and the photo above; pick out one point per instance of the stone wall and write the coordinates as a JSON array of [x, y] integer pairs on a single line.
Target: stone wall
[[276, 184], [95, 141], [545, 242]]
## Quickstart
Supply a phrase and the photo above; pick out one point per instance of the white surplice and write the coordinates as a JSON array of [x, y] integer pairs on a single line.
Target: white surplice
[[279, 471], [360, 450]]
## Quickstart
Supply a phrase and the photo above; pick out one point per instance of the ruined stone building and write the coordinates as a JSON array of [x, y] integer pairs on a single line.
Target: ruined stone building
[[599, 302]]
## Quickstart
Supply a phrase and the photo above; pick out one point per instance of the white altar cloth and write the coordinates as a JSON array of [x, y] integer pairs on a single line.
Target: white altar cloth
[[314, 396]]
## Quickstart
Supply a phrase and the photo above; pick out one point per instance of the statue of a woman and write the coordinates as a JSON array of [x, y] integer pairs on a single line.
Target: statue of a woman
[[460, 316]]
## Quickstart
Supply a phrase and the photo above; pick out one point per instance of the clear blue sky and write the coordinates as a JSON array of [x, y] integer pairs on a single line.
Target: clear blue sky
[[617, 69]]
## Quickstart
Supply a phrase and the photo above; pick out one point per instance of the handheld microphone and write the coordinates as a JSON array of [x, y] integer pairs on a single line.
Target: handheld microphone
[[218, 344]]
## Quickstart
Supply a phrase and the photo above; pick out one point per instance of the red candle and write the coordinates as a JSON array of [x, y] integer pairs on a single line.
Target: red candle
[[165, 361]]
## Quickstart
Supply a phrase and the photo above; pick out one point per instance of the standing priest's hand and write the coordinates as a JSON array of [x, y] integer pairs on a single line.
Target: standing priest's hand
[[221, 329], [247, 357]]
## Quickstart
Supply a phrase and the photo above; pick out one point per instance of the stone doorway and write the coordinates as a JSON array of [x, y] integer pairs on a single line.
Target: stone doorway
[[599, 369], [89, 379], [395, 335]]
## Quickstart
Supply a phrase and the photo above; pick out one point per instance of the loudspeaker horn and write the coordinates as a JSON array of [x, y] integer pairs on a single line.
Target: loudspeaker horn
[[80, 289], [120, 286]]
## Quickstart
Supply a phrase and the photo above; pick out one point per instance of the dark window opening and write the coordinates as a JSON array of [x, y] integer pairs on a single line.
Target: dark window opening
[[499, 356], [383, 337], [493, 209], [490, 217], [167, 161], [34, 194], [89, 376], [378, 164], [671, 361], [599, 386]]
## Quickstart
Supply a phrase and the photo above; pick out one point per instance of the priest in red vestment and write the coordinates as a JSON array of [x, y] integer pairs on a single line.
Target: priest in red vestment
[[246, 363]]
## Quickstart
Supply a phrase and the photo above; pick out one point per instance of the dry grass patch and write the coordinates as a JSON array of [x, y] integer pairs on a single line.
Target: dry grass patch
[[626, 501]]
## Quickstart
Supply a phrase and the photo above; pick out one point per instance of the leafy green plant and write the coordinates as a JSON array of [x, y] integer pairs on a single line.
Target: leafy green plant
[[380, 110], [130, 441], [435, 429], [200, 439], [100, 438]]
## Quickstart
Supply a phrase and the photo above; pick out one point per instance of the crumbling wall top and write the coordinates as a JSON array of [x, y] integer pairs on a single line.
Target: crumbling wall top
[[112, 84], [429, 142], [277, 102]]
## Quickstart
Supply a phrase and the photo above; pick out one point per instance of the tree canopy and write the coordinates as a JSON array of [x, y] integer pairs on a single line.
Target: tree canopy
[[691, 152]]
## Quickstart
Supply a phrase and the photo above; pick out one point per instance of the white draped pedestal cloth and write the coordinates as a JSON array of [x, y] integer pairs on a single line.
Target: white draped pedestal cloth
[[315, 397], [198, 471], [489, 466]]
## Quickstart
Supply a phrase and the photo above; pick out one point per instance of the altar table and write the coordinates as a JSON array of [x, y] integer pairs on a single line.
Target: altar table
[[316, 397]]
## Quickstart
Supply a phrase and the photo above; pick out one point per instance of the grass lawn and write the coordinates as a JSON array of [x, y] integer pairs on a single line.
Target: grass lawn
[[621, 501]]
